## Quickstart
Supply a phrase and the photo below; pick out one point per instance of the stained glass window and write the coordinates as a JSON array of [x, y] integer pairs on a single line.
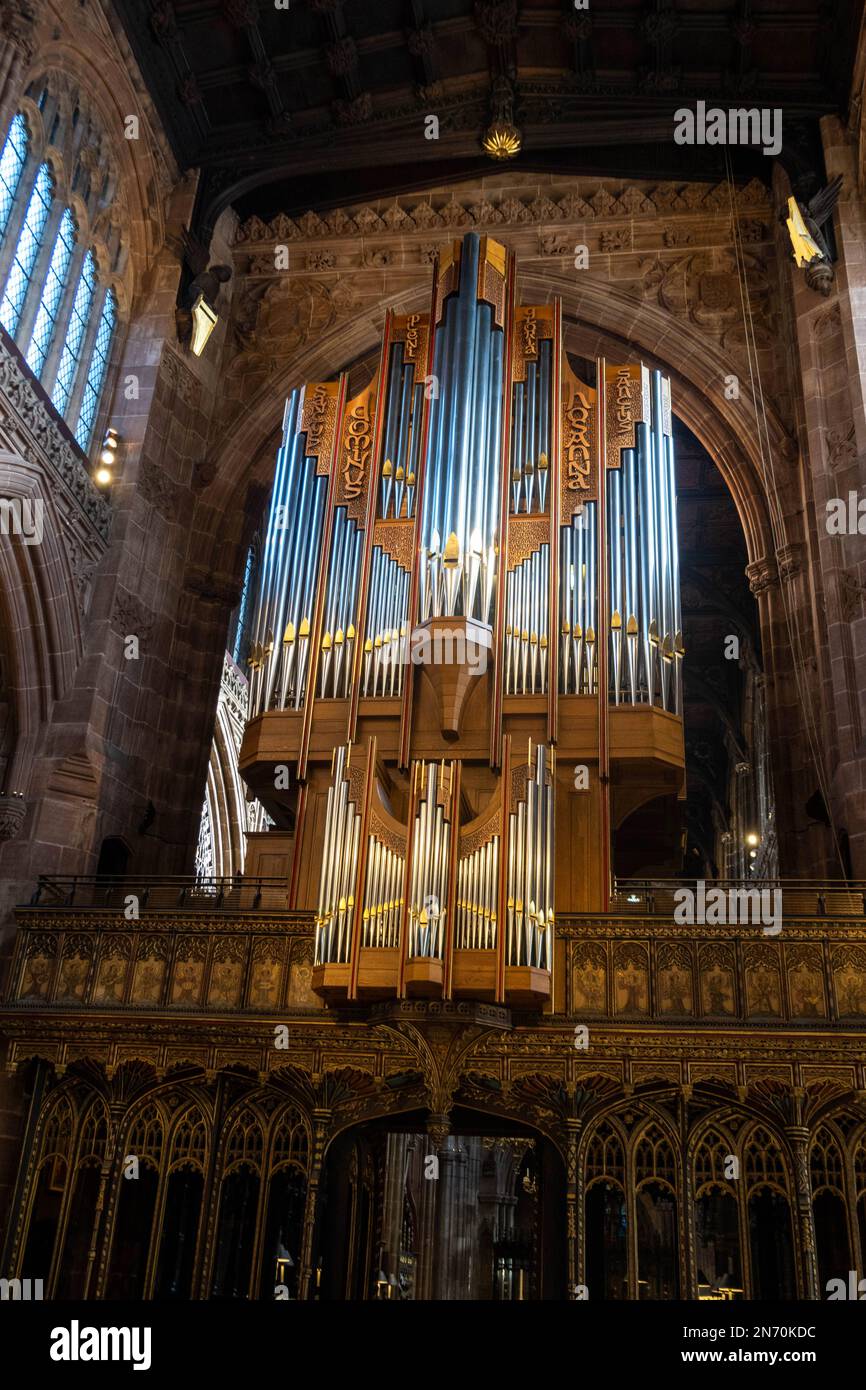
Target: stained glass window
[[75, 333], [52, 295], [27, 250], [12, 159], [96, 371]]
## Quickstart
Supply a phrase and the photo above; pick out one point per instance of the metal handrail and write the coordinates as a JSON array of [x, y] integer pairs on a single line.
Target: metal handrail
[[160, 892], [647, 896], [800, 896]]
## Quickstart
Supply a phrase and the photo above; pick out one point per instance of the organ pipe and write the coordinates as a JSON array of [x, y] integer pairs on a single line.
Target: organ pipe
[[463, 483], [428, 891], [529, 880], [336, 911], [644, 616]]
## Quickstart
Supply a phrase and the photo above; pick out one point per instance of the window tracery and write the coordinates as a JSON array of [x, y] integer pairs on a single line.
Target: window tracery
[[62, 252]]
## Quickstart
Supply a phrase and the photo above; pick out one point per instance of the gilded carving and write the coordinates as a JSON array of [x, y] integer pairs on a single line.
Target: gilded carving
[[397, 539], [579, 443], [318, 419], [413, 331], [589, 980], [355, 454], [627, 403], [631, 979]]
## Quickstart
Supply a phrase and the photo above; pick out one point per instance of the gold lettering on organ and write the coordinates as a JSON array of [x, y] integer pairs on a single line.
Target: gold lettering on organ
[[410, 351], [577, 444], [624, 407], [357, 444], [529, 333], [316, 418]]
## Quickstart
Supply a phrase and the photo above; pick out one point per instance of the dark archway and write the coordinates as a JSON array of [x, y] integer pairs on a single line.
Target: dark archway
[[113, 859], [475, 1217]]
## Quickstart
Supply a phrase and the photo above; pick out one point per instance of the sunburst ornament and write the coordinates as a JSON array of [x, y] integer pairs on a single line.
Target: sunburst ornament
[[502, 140]]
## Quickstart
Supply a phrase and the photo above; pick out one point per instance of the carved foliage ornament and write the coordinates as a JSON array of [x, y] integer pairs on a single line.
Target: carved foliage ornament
[[406, 215]]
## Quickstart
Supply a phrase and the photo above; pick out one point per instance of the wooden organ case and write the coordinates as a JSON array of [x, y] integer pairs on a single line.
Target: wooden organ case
[[466, 649]]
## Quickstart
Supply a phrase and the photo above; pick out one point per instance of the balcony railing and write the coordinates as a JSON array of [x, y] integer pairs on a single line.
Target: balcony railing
[[223, 946], [640, 897], [800, 897], [132, 894]]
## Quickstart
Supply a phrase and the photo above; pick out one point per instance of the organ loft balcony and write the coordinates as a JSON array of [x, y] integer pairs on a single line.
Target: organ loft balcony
[[203, 969]]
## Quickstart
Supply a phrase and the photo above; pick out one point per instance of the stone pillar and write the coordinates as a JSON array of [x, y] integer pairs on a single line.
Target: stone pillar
[[804, 1220], [396, 1150], [428, 1278], [306, 1283], [805, 847], [17, 22], [446, 1233], [827, 331]]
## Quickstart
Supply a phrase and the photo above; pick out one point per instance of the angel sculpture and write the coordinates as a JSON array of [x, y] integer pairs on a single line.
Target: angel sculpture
[[810, 247]]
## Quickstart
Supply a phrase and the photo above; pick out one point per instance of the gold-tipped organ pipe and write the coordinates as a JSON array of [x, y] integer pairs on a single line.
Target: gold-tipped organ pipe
[[529, 877]]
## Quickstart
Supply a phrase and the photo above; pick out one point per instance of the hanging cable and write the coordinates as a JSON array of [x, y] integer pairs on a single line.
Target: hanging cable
[[771, 490]]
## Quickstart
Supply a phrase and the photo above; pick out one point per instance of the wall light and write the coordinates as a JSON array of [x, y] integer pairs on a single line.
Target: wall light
[[204, 321], [104, 474]]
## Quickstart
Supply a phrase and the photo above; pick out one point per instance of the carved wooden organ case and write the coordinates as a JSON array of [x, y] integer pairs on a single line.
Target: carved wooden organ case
[[466, 655]]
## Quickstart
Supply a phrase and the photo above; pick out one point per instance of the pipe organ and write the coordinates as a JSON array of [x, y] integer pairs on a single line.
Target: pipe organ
[[466, 652]]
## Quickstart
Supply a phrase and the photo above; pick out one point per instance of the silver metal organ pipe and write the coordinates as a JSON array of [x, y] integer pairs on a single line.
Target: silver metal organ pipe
[[279, 542], [290, 420], [433, 481], [415, 450], [615, 579], [578, 583], [565, 579], [529, 876], [466, 346], [648, 551], [401, 462], [590, 634], [460, 502], [323, 877], [675, 577], [389, 443], [474, 519], [545, 356], [307, 592], [530, 456], [663, 608], [516, 477], [630, 548], [265, 581], [339, 864], [490, 527], [298, 475]]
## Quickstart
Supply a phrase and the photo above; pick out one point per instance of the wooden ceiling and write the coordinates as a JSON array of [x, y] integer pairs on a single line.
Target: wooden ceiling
[[325, 100]]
